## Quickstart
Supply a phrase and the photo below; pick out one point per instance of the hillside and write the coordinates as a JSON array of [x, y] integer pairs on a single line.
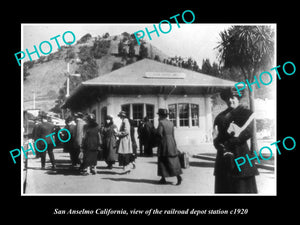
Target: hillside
[[90, 57]]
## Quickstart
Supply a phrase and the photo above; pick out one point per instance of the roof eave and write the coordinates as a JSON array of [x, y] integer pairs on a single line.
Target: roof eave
[[157, 85]]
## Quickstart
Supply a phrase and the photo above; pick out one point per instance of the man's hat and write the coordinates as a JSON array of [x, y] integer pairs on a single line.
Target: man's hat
[[122, 113], [162, 112]]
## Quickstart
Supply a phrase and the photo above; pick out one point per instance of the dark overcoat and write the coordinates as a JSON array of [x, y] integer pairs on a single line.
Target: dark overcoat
[[167, 145], [237, 144], [70, 145], [90, 143], [222, 172], [110, 143], [228, 178], [168, 160]]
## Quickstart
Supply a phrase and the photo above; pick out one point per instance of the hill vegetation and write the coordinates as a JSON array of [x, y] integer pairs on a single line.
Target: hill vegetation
[[45, 78]]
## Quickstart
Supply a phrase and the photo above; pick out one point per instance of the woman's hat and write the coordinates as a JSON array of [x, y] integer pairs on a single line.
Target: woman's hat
[[109, 117], [122, 114], [162, 112], [229, 93]]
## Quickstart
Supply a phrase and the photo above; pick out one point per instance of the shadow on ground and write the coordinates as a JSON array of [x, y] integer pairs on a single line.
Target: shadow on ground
[[202, 164], [147, 181]]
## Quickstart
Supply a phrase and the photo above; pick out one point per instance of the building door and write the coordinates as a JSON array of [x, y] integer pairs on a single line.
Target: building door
[[103, 114]]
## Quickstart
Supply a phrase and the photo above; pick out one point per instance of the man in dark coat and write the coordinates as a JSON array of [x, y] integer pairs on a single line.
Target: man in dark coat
[[70, 146], [140, 136], [44, 129], [35, 133], [147, 135], [230, 145]]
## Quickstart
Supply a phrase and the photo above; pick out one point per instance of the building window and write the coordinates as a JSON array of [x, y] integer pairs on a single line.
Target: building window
[[187, 116], [183, 110], [150, 112], [137, 113], [126, 109], [195, 114], [173, 114]]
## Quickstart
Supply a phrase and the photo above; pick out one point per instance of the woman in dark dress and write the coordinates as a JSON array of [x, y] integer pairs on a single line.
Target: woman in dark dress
[[110, 142], [90, 144], [168, 160], [233, 127]]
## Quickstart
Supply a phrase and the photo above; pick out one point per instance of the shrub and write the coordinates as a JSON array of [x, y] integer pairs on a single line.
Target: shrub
[[100, 48]]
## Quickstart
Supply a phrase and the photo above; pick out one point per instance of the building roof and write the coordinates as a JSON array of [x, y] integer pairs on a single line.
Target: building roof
[[146, 76], [149, 72]]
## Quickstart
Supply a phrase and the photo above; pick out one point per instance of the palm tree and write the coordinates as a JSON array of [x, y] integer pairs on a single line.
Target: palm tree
[[250, 48]]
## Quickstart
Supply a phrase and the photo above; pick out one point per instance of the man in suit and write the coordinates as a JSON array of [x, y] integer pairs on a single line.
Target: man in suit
[[147, 129], [45, 128]]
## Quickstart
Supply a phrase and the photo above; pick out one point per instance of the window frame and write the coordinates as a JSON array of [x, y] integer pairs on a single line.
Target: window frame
[[144, 106], [190, 122]]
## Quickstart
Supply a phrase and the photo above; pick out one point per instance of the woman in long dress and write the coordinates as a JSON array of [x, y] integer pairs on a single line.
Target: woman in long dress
[[110, 142], [168, 160], [90, 144], [232, 144], [125, 150]]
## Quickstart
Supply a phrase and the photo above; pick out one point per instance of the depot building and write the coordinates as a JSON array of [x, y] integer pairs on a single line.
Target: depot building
[[143, 87]]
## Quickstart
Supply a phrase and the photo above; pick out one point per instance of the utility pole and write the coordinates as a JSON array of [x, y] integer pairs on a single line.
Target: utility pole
[[33, 99], [68, 79]]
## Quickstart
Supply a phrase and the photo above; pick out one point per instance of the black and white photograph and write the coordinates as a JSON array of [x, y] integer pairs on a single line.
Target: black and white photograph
[[146, 109], [143, 112]]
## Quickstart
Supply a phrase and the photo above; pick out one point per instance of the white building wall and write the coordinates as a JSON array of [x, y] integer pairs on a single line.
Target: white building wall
[[183, 135]]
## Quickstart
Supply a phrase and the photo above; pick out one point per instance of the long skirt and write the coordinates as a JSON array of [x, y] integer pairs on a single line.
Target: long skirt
[[125, 159], [244, 185], [168, 166], [89, 158], [223, 183]]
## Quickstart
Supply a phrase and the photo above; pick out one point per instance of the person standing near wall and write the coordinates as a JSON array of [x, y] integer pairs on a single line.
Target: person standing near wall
[[35, 133], [147, 129], [70, 145], [140, 136], [44, 129]]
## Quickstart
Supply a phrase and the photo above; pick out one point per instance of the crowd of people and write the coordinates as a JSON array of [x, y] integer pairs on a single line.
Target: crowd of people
[[91, 141], [88, 139]]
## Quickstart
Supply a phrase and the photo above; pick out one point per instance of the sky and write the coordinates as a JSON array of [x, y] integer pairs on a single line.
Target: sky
[[190, 40]]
